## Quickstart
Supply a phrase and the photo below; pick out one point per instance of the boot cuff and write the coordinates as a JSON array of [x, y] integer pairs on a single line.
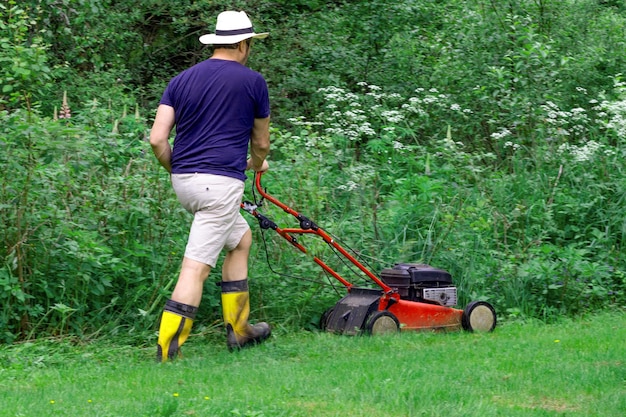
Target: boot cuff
[[235, 286], [181, 309]]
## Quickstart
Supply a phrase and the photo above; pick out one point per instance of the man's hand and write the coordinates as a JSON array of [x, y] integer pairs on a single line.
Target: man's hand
[[264, 167]]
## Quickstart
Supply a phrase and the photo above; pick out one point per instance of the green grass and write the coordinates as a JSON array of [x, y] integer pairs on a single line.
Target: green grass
[[574, 368]]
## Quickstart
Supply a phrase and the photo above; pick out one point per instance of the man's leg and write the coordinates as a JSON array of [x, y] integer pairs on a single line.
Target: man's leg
[[235, 265], [180, 310], [191, 281], [236, 298]]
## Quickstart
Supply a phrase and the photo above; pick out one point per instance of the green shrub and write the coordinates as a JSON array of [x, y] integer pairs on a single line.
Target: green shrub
[[485, 139]]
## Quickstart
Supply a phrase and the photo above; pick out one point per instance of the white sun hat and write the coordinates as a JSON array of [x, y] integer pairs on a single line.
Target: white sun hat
[[232, 27]]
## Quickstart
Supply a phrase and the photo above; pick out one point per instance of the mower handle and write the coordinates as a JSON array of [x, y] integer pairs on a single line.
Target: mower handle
[[265, 195], [308, 226]]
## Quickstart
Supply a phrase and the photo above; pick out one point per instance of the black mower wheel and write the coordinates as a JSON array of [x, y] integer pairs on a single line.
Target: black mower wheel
[[381, 322], [479, 316], [324, 319]]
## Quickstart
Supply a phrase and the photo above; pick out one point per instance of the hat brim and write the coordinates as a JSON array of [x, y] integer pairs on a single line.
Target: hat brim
[[213, 39]]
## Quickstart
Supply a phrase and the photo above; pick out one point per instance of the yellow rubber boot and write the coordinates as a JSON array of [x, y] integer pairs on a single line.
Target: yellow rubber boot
[[236, 309], [174, 330]]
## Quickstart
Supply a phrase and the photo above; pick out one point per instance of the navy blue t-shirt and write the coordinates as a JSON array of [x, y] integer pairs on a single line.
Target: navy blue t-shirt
[[215, 103]]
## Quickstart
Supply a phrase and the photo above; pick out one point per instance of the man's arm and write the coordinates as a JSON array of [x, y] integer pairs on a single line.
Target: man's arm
[[259, 145], [160, 134]]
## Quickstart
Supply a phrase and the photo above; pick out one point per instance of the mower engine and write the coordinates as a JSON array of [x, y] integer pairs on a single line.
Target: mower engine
[[421, 283]]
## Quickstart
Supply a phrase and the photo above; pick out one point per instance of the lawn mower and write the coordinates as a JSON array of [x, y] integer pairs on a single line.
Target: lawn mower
[[409, 296]]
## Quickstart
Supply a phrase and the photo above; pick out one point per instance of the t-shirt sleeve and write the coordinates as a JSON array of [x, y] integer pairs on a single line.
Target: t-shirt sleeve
[[166, 98], [262, 108]]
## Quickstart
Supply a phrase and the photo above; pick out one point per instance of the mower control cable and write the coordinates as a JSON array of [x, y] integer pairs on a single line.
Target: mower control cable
[[306, 224], [265, 223]]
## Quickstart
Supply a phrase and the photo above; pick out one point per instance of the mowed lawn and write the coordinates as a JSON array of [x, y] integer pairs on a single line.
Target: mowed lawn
[[573, 368]]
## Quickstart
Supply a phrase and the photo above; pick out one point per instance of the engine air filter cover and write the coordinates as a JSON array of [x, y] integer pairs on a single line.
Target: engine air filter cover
[[445, 296]]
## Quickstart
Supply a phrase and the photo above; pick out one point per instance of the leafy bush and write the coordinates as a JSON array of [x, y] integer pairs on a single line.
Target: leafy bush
[[483, 138], [24, 59], [82, 202]]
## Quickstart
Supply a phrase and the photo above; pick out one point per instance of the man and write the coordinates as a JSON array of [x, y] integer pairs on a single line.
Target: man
[[219, 108]]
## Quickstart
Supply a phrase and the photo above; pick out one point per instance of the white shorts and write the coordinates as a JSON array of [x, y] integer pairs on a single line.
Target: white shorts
[[214, 201]]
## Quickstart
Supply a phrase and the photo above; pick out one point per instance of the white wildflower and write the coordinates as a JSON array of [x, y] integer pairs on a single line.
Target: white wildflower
[[397, 145], [392, 116], [349, 186], [503, 133]]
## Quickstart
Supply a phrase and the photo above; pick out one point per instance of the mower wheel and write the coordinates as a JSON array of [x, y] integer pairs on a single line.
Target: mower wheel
[[381, 322], [479, 316], [325, 317]]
